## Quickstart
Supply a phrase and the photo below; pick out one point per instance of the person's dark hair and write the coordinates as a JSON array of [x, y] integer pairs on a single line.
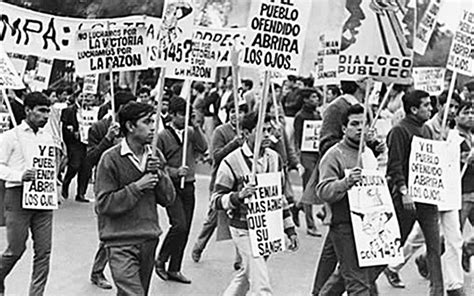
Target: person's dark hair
[[413, 99], [133, 111], [177, 104], [20, 92], [231, 105], [248, 83], [36, 99], [469, 85], [354, 109], [69, 91], [199, 87], [335, 90], [305, 93], [250, 120], [308, 81], [121, 98], [143, 90], [349, 87], [176, 88], [443, 98], [291, 78]]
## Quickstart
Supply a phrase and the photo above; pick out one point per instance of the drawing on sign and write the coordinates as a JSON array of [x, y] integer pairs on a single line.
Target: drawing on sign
[[169, 29]]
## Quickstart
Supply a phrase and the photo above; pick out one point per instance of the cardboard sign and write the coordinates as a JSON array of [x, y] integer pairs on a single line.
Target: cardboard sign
[[276, 35], [225, 39], [265, 216], [310, 139], [199, 66], [86, 119], [19, 62], [461, 57], [39, 77], [374, 221], [375, 40], [429, 79], [119, 49], [4, 121], [91, 83], [434, 173], [426, 27], [8, 75], [26, 31], [41, 194]]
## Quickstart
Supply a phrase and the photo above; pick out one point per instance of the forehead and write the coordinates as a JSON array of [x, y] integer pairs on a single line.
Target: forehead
[[356, 117]]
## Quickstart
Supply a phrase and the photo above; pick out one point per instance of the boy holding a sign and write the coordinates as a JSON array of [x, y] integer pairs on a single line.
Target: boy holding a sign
[[417, 107], [339, 172], [232, 189], [29, 209]]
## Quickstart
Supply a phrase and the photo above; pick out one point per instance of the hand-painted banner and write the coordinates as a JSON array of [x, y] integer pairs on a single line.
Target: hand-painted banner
[[375, 40], [38, 78], [426, 26], [41, 194], [374, 221], [8, 75], [310, 139], [265, 216], [4, 121], [276, 35], [91, 84], [19, 62], [461, 55], [434, 173], [86, 119], [429, 79], [26, 31], [225, 38], [117, 49]]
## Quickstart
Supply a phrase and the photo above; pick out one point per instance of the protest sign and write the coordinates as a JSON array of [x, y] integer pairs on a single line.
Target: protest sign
[[461, 57], [91, 83], [199, 66], [4, 121], [265, 216], [86, 119], [26, 31], [41, 194], [276, 35], [224, 37], [19, 62], [8, 75], [375, 40], [173, 42], [118, 49], [434, 173], [374, 221], [310, 139], [39, 76], [426, 26], [429, 79]]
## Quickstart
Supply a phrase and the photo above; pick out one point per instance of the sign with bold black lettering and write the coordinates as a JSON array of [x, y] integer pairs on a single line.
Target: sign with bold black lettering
[[91, 83], [265, 216], [86, 119], [118, 49], [374, 221], [276, 35], [375, 40], [425, 27], [429, 79], [310, 137], [461, 55], [8, 75], [41, 194]]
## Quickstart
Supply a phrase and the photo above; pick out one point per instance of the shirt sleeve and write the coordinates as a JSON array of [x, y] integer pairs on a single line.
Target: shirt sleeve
[[332, 186], [223, 198], [397, 151], [6, 149]]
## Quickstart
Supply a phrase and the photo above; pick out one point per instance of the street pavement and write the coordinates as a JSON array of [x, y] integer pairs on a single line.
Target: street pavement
[[75, 242]]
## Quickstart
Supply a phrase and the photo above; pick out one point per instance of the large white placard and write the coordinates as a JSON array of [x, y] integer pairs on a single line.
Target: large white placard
[[374, 221], [426, 26], [461, 55], [310, 137], [8, 75], [265, 216], [429, 79], [86, 119]]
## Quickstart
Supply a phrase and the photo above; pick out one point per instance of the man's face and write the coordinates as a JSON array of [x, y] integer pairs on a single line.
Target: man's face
[[466, 117], [38, 115], [228, 82], [423, 113], [299, 84], [267, 132], [233, 117], [144, 97], [143, 130], [312, 100], [453, 109], [353, 129], [330, 95], [178, 119], [164, 107]]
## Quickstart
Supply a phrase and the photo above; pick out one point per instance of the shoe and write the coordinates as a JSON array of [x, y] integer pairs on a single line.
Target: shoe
[[82, 199], [160, 270], [177, 276], [101, 282], [237, 265], [65, 193], [422, 267], [456, 292], [314, 232], [466, 259], [196, 256], [393, 278], [294, 213]]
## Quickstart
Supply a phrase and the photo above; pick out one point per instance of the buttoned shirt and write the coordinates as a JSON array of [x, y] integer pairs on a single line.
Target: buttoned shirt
[[140, 163], [14, 156]]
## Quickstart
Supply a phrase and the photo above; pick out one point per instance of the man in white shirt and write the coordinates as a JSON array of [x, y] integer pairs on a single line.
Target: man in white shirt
[[15, 170]]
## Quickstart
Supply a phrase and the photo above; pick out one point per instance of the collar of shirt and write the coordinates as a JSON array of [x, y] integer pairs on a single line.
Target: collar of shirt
[[351, 99], [139, 163], [262, 162], [179, 133]]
